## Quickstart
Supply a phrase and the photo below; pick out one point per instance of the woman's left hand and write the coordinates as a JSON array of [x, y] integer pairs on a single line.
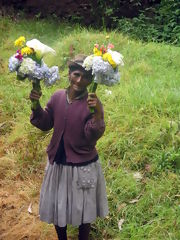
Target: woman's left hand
[[93, 102]]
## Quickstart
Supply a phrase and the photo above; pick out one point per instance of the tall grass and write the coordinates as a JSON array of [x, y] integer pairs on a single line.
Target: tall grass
[[142, 125]]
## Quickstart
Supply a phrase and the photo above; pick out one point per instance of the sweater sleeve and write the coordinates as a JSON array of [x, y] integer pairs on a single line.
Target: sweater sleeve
[[94, 128], [43, 118]]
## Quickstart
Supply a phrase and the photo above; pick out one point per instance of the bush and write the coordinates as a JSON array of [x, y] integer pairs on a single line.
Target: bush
[[159, 23]]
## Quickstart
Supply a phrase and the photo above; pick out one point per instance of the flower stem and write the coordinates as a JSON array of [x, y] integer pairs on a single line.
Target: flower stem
[[37, 87], [92, 89]]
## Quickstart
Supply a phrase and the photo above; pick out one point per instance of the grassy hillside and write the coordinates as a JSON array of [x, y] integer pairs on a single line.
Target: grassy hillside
[[139, 151]]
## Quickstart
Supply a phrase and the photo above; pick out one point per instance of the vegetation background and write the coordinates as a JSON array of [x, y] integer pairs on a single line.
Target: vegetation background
[[139, 151]]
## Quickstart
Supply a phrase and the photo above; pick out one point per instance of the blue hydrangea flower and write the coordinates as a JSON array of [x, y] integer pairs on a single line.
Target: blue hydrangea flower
[[104, 73], [51, 76], [13, 64], [32, 70]]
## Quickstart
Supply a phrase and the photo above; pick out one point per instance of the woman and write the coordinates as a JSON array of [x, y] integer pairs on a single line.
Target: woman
[[73, 189]]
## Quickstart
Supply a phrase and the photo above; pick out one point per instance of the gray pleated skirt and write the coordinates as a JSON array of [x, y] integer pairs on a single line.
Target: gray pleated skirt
[[73, 195]]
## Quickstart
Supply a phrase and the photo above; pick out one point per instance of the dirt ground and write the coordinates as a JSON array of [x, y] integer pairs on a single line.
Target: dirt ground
[[19, 218]]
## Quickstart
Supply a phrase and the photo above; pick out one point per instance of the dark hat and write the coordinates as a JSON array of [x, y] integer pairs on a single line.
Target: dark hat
[[77, 60]]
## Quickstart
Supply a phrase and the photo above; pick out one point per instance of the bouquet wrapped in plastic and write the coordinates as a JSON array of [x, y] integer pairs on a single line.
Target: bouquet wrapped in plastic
[[28, 62], [104, 65]]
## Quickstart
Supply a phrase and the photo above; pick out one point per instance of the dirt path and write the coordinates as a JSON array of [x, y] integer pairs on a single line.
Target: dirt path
[[16, 195]]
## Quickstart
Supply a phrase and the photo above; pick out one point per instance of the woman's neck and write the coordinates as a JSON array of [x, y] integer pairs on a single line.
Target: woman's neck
[[75, 94]]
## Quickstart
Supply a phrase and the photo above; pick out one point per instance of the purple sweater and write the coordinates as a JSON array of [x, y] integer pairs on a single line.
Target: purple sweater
[[75, 122]]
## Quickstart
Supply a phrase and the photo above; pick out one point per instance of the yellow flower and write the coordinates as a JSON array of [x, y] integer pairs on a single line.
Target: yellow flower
[[97, 52], [20, 41], [107, 37], [108, 58], [27, 51]]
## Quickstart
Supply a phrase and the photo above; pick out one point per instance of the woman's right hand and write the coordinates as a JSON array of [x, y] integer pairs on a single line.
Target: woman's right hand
[[35, 95]]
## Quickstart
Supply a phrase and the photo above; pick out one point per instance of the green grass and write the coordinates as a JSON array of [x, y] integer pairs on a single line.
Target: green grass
[[142, 118]]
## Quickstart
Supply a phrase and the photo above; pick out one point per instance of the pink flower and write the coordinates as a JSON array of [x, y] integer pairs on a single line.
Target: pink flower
[[110, 46], [96, 45], [19, 56]]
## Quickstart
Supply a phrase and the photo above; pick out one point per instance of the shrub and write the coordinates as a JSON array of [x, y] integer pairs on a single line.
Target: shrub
[[158, 23]]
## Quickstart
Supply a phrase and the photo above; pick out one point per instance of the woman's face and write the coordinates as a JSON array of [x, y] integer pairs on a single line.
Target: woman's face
[[79, 80]]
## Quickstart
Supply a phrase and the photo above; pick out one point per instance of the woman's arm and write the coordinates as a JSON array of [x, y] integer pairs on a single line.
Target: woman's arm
[[42, 118]]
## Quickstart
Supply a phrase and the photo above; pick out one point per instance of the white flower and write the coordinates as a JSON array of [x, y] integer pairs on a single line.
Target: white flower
[[108, 92], [117, 57], [40, 48], [138, 176], [120, 222], [27, 66], [88, 62]]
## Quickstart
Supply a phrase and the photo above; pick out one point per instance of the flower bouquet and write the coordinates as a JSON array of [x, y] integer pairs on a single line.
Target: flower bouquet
[[28, 62], [104, 65]]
